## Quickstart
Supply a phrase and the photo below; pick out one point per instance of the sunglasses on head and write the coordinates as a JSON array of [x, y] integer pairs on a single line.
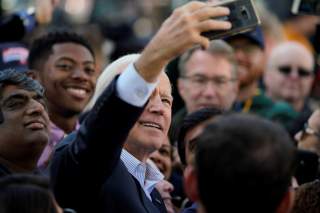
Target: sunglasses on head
[[302, 72]]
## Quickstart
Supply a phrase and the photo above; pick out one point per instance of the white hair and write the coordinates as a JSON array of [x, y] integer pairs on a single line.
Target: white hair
[[286, 47], [108, 74]]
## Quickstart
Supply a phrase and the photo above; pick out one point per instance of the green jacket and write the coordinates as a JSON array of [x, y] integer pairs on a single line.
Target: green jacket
[[260, 105], [263, 106]]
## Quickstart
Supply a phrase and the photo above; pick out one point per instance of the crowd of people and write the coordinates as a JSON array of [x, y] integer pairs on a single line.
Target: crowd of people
[[80, 137]]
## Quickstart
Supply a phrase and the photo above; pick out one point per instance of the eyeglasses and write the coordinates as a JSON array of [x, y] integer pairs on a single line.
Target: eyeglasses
[[201, 81], [302, 72]]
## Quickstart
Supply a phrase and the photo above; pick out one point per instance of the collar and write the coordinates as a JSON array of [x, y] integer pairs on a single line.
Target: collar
[[245, 106], [57, 134], [146, 174]]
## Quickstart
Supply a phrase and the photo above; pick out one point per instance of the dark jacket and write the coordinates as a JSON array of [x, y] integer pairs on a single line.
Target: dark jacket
[[86, 171], [191, 209], [4, 171], [122, 193]]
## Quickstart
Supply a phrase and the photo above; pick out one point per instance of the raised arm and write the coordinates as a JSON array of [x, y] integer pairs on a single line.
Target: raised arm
[[88, 157]]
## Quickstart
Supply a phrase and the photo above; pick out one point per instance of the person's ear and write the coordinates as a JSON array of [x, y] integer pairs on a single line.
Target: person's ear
[[287, 202], [235, 88], [181, 87], [267, 77], [191, 183]]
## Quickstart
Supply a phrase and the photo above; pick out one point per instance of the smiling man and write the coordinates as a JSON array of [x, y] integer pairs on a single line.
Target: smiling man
[[134, 112], [64, 63], [23, 124]]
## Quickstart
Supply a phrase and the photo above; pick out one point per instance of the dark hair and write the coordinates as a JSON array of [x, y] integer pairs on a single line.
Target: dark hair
[[13, 77], [191, 121], [307, 198], [41, 48], [23, 193], [244, 164]]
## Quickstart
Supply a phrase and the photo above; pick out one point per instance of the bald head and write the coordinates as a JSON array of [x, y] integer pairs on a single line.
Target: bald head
[[289, 74], [290, 51]]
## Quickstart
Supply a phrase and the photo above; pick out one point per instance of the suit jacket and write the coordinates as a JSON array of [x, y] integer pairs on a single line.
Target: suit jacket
[[86, 171], [123, 187]]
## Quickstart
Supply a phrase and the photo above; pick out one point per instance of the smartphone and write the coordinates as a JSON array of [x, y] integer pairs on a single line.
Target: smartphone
[[308, 7], [243, 17]]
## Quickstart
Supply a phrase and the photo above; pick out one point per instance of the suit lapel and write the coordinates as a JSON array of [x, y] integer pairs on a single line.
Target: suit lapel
[[148, 205], [157, 201]]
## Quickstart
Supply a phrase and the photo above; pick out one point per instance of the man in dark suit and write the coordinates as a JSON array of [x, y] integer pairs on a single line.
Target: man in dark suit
[[135, 111]]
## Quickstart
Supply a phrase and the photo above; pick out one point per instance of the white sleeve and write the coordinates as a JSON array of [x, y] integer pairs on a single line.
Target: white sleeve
[[132, 88]]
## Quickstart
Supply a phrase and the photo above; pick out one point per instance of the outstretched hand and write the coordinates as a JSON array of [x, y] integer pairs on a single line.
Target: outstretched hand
[[181, 31]]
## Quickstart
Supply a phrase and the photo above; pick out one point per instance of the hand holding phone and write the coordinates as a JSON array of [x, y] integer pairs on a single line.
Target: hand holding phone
[[243, 17]]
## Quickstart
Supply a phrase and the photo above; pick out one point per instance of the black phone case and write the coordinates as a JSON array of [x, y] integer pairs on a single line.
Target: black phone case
[[243, 17]]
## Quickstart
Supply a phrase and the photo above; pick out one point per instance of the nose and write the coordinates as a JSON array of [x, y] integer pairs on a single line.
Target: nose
[[155, 104], [79, 74], [240, 54], [209, 90], [294, 74], [35, 108]]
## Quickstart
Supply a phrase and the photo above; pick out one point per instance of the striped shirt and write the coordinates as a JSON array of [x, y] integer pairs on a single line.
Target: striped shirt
[[146, 174]]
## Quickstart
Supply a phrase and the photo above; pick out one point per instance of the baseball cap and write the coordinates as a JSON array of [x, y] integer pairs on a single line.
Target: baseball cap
[[14, 55], [255, 36]]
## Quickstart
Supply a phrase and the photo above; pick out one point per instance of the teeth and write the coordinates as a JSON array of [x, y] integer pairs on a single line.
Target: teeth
[[77, 92], [151, 125]]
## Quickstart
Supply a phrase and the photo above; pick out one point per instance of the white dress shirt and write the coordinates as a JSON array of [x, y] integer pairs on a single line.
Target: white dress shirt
[[146, 174], [136, 93]]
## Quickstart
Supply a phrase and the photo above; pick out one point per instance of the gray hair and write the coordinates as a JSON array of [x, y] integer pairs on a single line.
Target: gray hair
[[216, 47], [13, 77]]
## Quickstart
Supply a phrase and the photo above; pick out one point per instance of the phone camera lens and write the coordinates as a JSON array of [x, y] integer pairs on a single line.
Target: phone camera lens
[[244, 13]]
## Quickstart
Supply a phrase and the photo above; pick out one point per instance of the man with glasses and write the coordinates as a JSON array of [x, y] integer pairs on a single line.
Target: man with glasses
[[289, 75], [250, 55], [207, 78]]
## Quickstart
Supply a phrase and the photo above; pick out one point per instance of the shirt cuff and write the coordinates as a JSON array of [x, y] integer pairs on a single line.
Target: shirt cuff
[[132, 88]]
